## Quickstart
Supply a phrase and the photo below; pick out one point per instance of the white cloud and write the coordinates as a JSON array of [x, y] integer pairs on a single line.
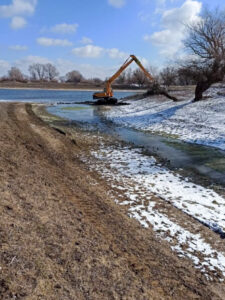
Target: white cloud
[[116, 53], [117, 3], [91, 71], [4, 67], [18, 23], [90, 51], [18, 8], [24, 63], [18, 48], [48, 42], [187, 13], [160, 6], [144, 62], [63, 66], [173, 21], [85, 40], [64, 28], [87, 70], [31, 59]]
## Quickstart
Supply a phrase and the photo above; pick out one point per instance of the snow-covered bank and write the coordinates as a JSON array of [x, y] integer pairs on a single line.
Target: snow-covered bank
[[203, 204], [201, 122], [165, 201]]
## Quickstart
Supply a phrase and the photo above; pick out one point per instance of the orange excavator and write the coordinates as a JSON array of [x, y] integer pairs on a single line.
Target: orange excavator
[[106, 97]]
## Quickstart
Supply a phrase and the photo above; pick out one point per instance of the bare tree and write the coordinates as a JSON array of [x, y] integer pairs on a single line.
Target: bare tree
[[97, 80], [139, 77], [62, 79], [15, 74], [37, 71], [185, 76], [168, 76], [153, 70], [122, 78], [74, 76], [50, 72], [129, 75], [206, 41]]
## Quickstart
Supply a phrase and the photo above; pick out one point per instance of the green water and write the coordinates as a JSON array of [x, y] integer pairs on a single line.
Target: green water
[[192, 158], [74, 108]]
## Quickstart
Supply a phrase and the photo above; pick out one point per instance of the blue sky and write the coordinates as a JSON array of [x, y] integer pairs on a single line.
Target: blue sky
[[94, 37]]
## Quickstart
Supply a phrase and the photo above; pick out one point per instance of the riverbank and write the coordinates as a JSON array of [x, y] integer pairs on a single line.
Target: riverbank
[[134, 175], [54, 86], [70, 89], [62, 234], [201, 122]]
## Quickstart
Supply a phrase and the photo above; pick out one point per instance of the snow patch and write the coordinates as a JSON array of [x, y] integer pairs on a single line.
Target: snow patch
[[200, 122], [139, 177]]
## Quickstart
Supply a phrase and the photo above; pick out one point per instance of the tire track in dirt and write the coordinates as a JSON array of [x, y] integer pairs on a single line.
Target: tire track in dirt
[[63, 238]]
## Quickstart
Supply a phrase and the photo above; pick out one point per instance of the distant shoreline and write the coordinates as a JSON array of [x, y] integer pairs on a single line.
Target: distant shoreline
[[70, 89]]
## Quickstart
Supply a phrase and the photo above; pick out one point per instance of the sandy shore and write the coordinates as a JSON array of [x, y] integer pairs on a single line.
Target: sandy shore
[[62, 236]]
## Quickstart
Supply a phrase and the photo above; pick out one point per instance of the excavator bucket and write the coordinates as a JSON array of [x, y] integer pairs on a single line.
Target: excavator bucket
[[106, 101]]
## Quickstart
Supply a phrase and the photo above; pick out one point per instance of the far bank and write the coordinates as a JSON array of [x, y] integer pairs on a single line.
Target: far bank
[[64, 86]]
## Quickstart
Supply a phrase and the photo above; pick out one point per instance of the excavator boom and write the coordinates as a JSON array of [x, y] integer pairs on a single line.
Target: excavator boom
[[142, 67], [106, 97]]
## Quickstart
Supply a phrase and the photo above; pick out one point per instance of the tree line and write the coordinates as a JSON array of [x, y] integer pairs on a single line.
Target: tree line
[[49, 73], [42, 73], [204, 65]]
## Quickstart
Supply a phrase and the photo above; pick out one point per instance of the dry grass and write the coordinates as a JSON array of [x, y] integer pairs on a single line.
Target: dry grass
[[63, 238]]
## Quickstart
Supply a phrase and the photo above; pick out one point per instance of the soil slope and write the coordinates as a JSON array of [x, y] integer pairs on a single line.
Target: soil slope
[[62, 237]]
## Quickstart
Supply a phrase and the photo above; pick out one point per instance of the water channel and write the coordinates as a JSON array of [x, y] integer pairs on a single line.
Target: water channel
[[203, 160]]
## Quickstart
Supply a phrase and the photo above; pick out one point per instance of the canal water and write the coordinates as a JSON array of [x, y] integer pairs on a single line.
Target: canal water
[[204, 160], [207, 161], [50, 96]]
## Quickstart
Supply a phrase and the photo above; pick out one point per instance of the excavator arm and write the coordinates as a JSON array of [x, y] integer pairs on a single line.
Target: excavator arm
[[117, 74], [147, 74], [107, 94]]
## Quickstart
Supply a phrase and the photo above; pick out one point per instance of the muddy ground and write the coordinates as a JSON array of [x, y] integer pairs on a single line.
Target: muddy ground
[[62, 236]]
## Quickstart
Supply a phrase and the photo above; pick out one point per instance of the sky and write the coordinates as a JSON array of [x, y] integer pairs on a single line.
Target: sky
[[94, 36]]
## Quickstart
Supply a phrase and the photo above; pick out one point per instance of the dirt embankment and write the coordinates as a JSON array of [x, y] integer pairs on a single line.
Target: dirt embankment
[[62, 237], [64, 86], [47, 85]]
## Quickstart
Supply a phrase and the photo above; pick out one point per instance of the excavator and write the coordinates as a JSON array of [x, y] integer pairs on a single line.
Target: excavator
[[106, 97]]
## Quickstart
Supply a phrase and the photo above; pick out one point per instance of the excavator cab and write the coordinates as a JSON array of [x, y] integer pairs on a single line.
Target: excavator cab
[[105, 98]]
